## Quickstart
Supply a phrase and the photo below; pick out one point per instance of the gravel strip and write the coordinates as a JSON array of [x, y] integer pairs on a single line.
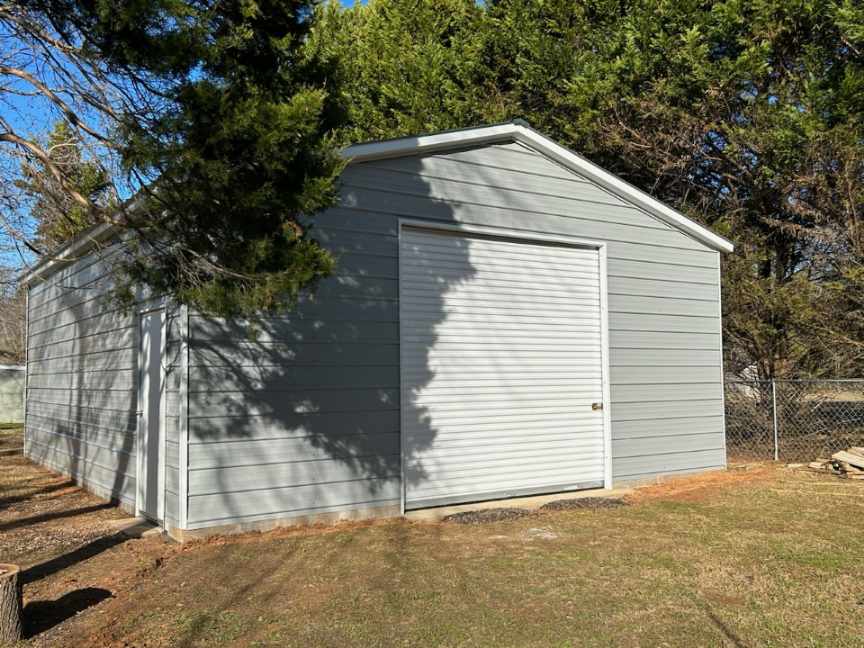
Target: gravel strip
[[489, 515], [591, 503]]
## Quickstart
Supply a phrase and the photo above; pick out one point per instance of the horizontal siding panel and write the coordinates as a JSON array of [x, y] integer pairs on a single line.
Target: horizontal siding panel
[[628, 357], [172, 455], [357, 288], [665, 392], [659, 271], [488, 208], [650, 410], [117, 478], [298, 500], [497, 194], [644, 446], [74, 434], [89, 326], [662, 375], [61, 414], [467, 487], [662, 323], [637, 251], [276, 404], [216, 379], [298, 473], [356, 220], [289, 329], [697, 424], [76, 320], [366, 265], [79, 278], [350, 310], [664, 288], [74, 307], [93, 324], [172, 427], [93, 297], [347, 448], [636, 467], [343, 242], [120, 339], [81, 398], [326, 424], [662, 306], [648, 341], [99, 380], [91, 364], [443, 168], [509, 156], [265, 355]]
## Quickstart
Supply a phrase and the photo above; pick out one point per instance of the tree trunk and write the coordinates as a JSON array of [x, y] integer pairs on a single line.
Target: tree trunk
[[10, 604]]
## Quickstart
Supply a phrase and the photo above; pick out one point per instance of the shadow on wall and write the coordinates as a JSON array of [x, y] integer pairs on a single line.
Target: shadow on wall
[[302, 412], [82, 401]]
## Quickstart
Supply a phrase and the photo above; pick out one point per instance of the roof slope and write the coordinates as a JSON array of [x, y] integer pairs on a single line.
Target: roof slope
[[516, 131], [519, 132]]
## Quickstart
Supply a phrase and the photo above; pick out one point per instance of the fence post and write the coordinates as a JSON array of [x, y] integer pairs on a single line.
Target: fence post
[[776, 433]]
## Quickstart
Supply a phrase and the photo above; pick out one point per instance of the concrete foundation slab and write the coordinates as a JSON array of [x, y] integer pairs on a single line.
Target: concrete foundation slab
[[532, 502]]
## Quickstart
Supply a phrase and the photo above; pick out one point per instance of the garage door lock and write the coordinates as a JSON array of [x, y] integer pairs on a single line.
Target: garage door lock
[[596, 406]]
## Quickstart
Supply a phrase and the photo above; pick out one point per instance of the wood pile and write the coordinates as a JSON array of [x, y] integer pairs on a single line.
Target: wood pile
[[846, 463]]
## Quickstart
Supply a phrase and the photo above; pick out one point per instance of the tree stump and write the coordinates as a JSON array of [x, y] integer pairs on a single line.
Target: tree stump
[[10, 604]]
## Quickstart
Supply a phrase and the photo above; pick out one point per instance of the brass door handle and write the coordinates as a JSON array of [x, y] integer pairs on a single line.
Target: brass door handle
[[596, 406]]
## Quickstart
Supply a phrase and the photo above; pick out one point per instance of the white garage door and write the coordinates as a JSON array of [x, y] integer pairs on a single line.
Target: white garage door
[[501, 363]]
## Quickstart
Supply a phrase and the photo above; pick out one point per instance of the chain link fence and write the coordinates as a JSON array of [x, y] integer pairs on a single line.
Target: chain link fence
[[792, 420]]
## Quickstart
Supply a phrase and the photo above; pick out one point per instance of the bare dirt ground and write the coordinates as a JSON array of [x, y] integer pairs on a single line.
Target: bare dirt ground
[[764, 556], [72, 556]]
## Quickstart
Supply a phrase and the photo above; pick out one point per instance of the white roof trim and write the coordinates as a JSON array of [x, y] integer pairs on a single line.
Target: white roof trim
[[70, 252], [425, 144]]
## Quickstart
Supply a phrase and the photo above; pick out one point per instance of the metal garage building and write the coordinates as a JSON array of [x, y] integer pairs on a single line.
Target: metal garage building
[[506, 319]]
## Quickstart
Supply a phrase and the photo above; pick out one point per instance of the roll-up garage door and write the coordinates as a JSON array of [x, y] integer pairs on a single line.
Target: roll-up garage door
[[501, 364]]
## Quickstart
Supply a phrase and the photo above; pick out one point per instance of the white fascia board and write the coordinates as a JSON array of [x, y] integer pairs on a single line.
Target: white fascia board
[[422, 144], [425, 144], [71, 252]]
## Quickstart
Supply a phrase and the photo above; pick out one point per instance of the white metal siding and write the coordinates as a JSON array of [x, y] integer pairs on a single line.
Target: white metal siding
[[501, 359]]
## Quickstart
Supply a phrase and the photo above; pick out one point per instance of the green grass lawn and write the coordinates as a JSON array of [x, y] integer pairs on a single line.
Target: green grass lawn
[[767, 559]]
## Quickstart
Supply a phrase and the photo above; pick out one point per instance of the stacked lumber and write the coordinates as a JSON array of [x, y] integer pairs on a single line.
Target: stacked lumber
[[846, 463]]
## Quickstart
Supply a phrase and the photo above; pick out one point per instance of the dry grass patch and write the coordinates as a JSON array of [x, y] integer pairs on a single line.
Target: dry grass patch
[[749, 558]]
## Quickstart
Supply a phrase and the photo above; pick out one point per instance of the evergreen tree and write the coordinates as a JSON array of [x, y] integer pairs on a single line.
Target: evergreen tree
[[747, 115], [407, 67], [225, 134], [59, 218]]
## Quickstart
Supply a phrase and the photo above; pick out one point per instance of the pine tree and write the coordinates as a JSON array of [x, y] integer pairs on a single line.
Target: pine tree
[[747, 115], [58, 218], [226, 134]]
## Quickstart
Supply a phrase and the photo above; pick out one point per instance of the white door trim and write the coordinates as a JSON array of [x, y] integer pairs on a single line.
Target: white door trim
[[141, 432], [519, 235]]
